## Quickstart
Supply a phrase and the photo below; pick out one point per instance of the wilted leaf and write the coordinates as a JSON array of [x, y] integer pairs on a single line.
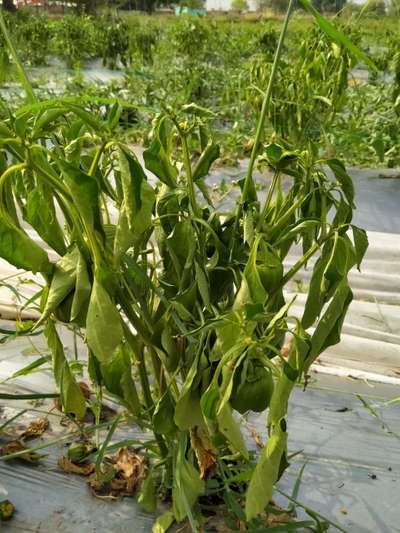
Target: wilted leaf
[[103, 325], [16, 446], [72, 468], [163, 522], [205, 452], [265, 475], [35, 428], [147, 498]]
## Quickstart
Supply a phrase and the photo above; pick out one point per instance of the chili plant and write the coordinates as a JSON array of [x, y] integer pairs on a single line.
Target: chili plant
[[182, 306]]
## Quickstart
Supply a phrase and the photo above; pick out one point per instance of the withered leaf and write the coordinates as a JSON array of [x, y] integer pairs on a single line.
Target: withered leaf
[[35, 428], [130, 470], [130, 464], [71, 468], [17, 446], [205, 452]]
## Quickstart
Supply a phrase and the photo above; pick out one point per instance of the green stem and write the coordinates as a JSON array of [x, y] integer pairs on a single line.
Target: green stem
[[265, 105], [301, 262], [189, 176], [260, 126], [22, 74], [268, 199]]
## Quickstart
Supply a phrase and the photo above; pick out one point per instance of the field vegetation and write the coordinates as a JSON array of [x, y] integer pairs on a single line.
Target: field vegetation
[[179, 311], [223, 64]]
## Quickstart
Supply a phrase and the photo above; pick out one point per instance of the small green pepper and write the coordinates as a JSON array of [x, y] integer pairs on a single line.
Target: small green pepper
[[253, 388]]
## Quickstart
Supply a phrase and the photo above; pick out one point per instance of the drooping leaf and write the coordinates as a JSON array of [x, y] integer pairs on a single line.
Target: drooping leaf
[[41, 214], [103, 323], [147, 498], [207, 158], [62, 283], [20, 250], [139, 196], [265, 475], [82, 292], [327, 332], [230, 428], [187, 410], [360, 244], [72, 398], [117, 377], [187, 485], [157, 158], [202, 284], [163, 522], [343, 178], [85, 192], [163, 417]]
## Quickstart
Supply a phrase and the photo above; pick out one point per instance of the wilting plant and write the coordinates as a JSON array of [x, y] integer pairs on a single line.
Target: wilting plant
[[182, 306]]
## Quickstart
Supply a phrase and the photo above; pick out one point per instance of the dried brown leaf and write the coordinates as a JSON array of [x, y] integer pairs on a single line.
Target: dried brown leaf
[[35, 428], [71, 468], [130, 465], [85, 389], [17, 446], [130, 471], [205, 452]]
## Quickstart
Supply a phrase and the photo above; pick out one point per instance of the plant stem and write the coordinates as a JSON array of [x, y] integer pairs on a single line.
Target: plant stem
[[189, 176], [268, 199], [22, 74], [260, 126], [265, 105], [301, 262]]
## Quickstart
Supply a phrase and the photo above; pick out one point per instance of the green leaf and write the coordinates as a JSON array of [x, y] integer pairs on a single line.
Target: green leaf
[[343, 178], [157, 159], [207, 158], [337, 265], [163, 416], [139, 196], [187, 410], [336, 35], [41, 215], [148, 495], [116, 373], [62, 283], [360, 239], [26, 370], [301, 227], [71, 395], [21, 251], [265, 475], [230, 428], [163, 522], [196, 110], [202, 284], [327, 332], [103, 323], [187, 485], [85, 192], [82, 292]]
